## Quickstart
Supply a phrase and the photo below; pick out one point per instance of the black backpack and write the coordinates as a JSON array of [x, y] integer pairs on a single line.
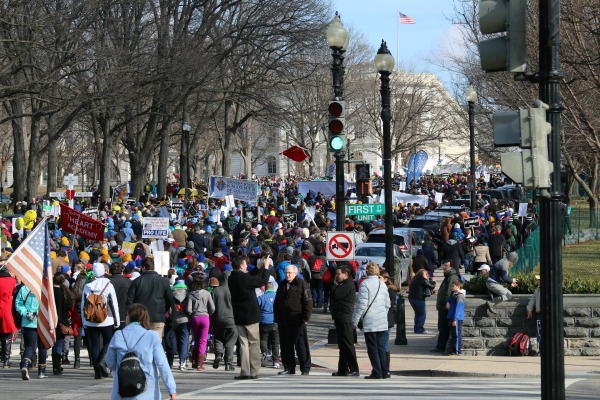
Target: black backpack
[[132, 379]]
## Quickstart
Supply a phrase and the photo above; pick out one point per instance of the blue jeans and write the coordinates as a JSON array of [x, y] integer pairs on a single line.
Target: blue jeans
[[31, 339], [456, 337], [99, 347], [420, 309], [60, 342], [182, 332], [316, 289], [376, 350]]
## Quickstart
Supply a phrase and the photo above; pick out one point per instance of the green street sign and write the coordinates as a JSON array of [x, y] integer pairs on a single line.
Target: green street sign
[[365, 217], [362, 209]]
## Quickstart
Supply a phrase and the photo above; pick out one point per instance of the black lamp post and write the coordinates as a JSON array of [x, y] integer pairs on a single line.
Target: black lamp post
[[471, 96], [337, 38], [384, 62]]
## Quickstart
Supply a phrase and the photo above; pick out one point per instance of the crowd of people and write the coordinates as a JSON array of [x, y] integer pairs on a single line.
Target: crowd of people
[[247, 288]]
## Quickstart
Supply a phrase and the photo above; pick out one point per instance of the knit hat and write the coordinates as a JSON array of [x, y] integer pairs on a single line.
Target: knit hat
[[64, 241], [126, 257], [83, 255], [513, 257], [98, 269], [65, 269]]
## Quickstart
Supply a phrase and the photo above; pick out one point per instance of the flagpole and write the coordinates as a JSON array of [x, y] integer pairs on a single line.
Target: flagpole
[[398, 40]]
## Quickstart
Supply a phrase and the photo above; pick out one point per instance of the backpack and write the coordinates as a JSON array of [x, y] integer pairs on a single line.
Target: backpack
[[94, 308], [132, 379], [519, 344], [317, 265], [17, 317]]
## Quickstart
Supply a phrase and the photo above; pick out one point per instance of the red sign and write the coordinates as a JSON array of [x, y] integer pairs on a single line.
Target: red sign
[[70, 194], [80, 224]]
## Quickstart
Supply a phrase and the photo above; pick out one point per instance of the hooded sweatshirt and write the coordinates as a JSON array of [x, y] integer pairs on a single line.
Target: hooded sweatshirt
[[178, 314], [456, 312], [199, 302]]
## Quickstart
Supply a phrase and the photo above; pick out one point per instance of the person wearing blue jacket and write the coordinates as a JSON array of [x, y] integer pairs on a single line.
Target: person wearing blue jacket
[[456, 315], [269, 335], [27, 305], [145, 343]]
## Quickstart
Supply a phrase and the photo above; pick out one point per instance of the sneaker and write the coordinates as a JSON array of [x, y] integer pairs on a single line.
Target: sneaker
[[183, 365], [276, 365]]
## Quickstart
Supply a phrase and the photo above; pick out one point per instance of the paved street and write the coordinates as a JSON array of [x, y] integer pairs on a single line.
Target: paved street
[[79, 384]]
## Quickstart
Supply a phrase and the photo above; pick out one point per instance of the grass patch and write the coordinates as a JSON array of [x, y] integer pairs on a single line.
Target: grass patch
[[582, 260]]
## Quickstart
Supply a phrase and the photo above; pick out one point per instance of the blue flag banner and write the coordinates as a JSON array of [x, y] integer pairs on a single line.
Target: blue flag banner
[[420, 161]]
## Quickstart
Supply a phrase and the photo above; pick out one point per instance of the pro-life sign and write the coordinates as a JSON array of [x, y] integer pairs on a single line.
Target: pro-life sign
[[155, 227], [340, 246]]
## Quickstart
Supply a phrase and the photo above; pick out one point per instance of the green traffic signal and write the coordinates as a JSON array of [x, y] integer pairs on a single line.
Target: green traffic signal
[[336, 143]]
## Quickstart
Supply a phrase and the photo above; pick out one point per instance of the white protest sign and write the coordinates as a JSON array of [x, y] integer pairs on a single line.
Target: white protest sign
[[155, 227], [439, 197]]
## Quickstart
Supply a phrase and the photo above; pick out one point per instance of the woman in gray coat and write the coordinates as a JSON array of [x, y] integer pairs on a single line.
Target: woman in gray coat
[[372, 307]]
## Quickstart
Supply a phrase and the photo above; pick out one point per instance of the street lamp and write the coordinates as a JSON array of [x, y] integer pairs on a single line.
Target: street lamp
[[338, 38], [384, 62], [186, 128], [471, 96]]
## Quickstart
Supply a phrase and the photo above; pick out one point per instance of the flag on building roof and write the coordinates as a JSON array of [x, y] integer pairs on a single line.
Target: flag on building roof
[[405, 19], [297, 153], [32, 265]]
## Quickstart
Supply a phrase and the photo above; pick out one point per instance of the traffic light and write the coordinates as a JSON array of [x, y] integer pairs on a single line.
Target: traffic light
[[529, 130], [363, 179], [509, 52], [337, 126]]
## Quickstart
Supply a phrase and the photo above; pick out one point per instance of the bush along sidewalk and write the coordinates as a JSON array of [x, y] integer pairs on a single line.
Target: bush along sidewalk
[[526, 284]]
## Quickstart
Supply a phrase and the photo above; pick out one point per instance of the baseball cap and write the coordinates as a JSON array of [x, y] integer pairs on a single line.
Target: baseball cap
[[484, 267]]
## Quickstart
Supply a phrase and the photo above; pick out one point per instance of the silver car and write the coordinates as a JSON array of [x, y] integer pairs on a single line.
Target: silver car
[[367, 252]]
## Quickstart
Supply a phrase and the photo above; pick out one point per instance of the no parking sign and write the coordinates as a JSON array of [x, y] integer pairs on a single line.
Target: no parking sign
[[340, 246]]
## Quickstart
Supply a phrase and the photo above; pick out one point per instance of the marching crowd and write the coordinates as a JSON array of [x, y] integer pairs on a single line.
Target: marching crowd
[[245, 288]]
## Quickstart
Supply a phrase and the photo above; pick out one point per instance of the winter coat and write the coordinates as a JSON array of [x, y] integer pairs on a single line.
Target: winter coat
[[452, 251], [456, 312], [7, 287], [26, 303], [110, 297], [223, 315], [121, 285], [343, 297], [482, 254], [153, 291], [242, 286], [266, 303], [372, 292], [416, 290], [127, 232], [445, 289], [147, 346], [293, 304]]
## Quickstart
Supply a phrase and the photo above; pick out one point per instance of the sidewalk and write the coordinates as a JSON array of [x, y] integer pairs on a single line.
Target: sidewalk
[[416, 359]]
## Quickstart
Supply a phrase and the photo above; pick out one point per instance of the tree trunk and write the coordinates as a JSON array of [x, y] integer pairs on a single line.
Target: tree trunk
[[105, 160], [139, 168], [33, 170], [15, 108], [52, 164], [163, 160]]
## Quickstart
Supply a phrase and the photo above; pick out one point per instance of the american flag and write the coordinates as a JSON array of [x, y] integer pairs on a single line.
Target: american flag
[[405, 19], [31, 263]]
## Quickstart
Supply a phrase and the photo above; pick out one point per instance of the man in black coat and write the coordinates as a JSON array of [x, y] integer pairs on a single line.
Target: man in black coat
[[246, 313], [343, 297], [292, 310], [121, 285], [153, 291], [496, 243]]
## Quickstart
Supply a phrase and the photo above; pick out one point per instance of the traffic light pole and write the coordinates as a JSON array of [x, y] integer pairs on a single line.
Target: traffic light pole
[[340, 195], [552, 346]]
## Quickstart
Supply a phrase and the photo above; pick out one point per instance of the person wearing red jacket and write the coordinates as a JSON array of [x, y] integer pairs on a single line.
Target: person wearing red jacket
[[7, 324]]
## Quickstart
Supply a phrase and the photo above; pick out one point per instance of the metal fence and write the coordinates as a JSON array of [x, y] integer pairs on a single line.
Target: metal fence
[[581, 245]]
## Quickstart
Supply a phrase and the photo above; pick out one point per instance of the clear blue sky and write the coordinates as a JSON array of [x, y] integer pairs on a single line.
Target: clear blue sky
[[378, 19]]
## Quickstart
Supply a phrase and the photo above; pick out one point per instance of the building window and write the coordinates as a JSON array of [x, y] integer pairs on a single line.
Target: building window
[[271, 165]]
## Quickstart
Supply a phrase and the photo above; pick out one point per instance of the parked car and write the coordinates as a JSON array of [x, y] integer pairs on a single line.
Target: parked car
[[367, 252], [406, 240]]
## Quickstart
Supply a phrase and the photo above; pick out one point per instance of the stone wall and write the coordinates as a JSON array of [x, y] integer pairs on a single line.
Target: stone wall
[[486, 332]]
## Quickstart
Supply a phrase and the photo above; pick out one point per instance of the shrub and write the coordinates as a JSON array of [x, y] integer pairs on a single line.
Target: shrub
[[526, 284]]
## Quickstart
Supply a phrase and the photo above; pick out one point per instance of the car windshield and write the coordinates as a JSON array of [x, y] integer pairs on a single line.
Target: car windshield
[[371, 251], [380, 238], [424, 223]]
